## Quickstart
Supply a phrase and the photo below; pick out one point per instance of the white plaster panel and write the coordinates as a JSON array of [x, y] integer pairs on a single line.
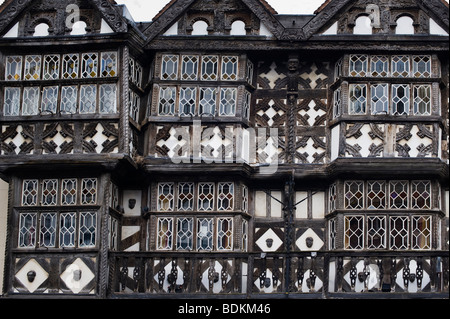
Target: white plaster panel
[[335, 134], [275, 206], [302, 208], [260, 204], [318, 205]]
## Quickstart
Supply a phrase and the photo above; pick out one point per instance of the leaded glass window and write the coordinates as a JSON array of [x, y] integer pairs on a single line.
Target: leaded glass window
[[49, 192], [354, 195], [399, 232], [167, 99], [422, 99], [210, 68], [421, 232], [108, 67], [89, 65], [13, 71], [108, 99], [69, 191], [70, 66], [189, 67], [165, 234], [421, 194], [205, 196], [67, 230], [376, 232], [332, 197], [49, 103], [88, 99], [169, 68], [51, 67], [188, 100], [88, 191], [358, 65], [337, 108], [400, 99], [69, 96], [11, 105], [422, 66], [165, 197], [376, 195], [400, 66], [30, 102], [30, 192], [380, 98], [225, 196], [354, 232], [204, 234], [247, 105], [185, 196], [208, 101], [379, 66], [27, 230], [228, 98], [88, 229], [358, 99], [32, 69], [185, 233], [224, 233], [398, 194], [332, 233], [47, 234], [229, 68]]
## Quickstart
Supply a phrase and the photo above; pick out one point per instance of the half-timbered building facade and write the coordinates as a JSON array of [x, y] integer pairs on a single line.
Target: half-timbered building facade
[[224, 149]]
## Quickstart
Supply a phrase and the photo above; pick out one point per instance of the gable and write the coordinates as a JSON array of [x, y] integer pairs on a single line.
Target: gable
[[383, 16], [180, 16], [21, 17]]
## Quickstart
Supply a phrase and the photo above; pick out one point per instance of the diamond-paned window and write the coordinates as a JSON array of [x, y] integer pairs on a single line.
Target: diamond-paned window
[[224, 233], [27, 230], [30, 102], [88, 191], [189, 67], [421, 232], [47, 234], [354, 195], [165, 197], [249, 72], [188, 100], [421, 194], [337, 106], [354, 232], [379, 66], [398, 194], [358, 99], [49, 102], [207, 101], [167, 99], [230, 68], [400, 66], [185, 196], [185, 233], [88, 229], [69, 191], [108, 66], [376, 195], [13, 68], [30, 192], [89, 65], [11, 105], [422, 66], [32, 69], [376, 232], [245, 199], [51, 67], [49, 192], [422, 99], [135, 102], [247, 105], [69, 96], [210, 68], [108, 99], [380, 98], [88, 99], [358, 65], [332, 233], [228, 98], [399, 232], [169, 67], [70, 66], [205, 196], [400, 99], [67, 230], [225, 196], [332, 198], [205, 234], [165, 234]]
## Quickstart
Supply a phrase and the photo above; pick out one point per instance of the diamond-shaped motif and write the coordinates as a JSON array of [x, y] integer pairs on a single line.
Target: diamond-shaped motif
[[32, 275], [309, 237], [269, 241], [77, 276]]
